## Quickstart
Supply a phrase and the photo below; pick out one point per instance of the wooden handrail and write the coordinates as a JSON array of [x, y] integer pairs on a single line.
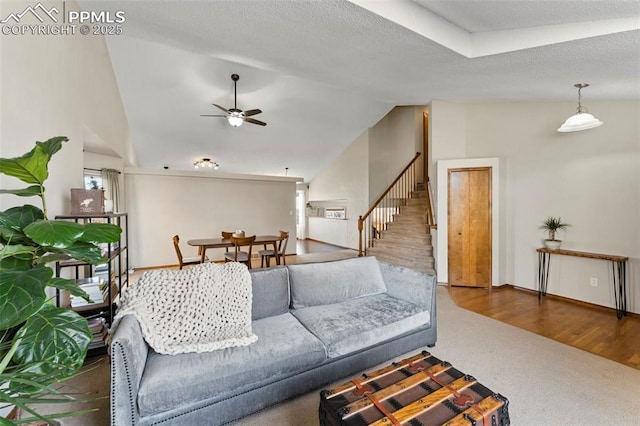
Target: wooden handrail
[[432, 222], [380, 198]]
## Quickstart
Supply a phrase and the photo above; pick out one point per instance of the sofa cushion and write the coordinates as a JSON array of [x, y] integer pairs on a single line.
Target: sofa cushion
[[284, 348], [270, 292], [314, 284], [359, 323], [407, 284]]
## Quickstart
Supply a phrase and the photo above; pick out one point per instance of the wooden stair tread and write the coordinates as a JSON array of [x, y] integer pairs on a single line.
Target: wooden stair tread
[[398, 237], [399, 247], [420, 257], [408, 226]]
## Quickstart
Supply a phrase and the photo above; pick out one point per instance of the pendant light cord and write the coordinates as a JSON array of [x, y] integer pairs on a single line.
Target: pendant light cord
[[580, 86]]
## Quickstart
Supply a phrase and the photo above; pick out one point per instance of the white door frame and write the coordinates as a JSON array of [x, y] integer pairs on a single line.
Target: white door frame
[[301, 220]]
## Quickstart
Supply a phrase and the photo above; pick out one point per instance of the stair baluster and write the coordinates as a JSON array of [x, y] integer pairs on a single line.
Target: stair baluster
[[396, 228]]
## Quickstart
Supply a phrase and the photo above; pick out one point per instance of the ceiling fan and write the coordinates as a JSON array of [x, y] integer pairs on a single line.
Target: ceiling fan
[[234, 115]]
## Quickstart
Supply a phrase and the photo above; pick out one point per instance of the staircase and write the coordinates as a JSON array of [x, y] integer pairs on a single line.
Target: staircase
[[406, 241]]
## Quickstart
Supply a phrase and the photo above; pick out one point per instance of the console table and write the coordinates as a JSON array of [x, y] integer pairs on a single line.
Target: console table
[[618, 267]]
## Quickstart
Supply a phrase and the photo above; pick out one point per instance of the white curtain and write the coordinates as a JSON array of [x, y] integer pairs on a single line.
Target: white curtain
[[111, 184]]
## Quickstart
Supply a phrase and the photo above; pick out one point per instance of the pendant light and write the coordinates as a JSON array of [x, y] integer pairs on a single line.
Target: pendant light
[[581, 120]]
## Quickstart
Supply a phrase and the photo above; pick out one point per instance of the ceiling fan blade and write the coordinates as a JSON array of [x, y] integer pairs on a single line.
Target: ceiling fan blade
[[252, 112], [254, 121], [222, 108], [209, 115]]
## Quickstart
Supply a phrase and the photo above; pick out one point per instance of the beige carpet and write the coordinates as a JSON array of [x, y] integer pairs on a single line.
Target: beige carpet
[[327, 256], [546, 382]]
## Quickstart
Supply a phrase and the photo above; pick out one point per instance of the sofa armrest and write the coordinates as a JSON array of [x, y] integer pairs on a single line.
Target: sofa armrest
[[410, 285], [415, 287], [128, 358]]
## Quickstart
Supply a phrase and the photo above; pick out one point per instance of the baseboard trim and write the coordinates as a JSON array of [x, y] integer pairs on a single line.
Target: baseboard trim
[[568, 300], [331, 244]]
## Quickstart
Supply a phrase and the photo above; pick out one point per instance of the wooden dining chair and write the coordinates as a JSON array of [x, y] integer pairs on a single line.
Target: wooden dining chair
[[226, 236], [191, 260], [267, 254], [238, 255]]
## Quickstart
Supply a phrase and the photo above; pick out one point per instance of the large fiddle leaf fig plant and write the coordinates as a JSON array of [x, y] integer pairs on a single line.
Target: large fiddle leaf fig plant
[[40, 344]]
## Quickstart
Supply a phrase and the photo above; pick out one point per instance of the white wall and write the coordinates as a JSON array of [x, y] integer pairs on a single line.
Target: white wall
[[590, 178], [343, 183], [56, 86], [393, 142], [201, 205], [447, 134], [358, 176]]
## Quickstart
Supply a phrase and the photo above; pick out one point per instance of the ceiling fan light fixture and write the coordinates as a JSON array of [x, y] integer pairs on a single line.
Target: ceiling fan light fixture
[[205, 163], [581, 120], [235, 118]]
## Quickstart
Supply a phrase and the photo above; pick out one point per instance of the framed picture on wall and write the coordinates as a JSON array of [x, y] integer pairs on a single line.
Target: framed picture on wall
[[335, 213]]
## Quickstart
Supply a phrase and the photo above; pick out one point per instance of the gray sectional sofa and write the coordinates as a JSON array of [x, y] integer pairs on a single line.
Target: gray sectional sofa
[[316, 323]]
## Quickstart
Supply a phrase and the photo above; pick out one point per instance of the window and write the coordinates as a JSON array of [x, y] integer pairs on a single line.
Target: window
[[92, 180]]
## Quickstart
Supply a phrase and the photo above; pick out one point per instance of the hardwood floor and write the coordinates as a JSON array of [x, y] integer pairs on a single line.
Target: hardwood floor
[[588, 327], [313, 246]]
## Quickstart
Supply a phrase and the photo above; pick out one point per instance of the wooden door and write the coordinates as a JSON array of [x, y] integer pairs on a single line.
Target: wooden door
[[469, 224]]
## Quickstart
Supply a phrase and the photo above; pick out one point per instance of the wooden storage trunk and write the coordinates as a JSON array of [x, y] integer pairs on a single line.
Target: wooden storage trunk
[[420, 390]]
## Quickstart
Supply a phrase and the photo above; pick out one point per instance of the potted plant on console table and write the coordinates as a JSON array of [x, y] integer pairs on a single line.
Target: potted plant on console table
[[40, 344], [552, 225]]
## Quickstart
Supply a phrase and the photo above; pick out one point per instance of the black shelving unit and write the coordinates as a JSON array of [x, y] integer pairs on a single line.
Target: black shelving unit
[[116, 270]]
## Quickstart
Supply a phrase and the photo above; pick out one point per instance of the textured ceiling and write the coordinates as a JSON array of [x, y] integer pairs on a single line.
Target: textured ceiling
[[496, 15], [324, 71]]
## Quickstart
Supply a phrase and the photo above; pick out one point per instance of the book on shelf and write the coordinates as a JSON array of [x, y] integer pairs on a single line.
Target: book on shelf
[[96, 325], [94, 293], [104, 275], [95, 287], [98, 340], [88, 281], [98, 328], [96, 345], [114, 290], [108, 248]]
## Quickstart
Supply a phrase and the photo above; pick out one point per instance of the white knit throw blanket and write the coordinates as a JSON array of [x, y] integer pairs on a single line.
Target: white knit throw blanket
[[199, 309]]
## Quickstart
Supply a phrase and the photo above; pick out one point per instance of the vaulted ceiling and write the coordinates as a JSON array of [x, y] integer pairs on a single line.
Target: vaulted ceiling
[[324, 71]]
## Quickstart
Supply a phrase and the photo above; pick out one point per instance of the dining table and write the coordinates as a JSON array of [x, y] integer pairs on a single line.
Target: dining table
[[261, 240]]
